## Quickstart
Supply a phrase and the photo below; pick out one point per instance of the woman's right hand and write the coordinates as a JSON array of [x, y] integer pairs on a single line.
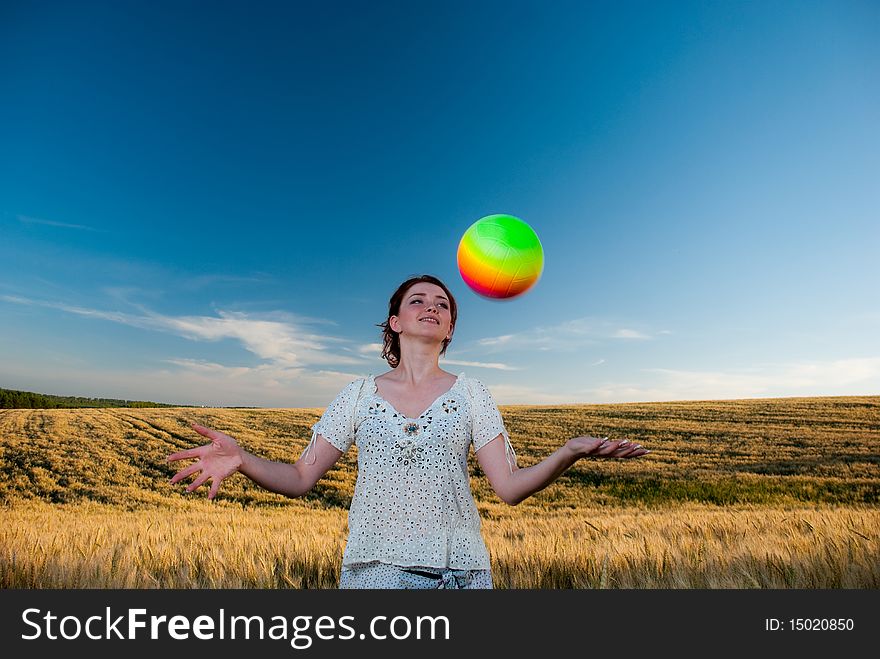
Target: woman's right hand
[[217, 460]]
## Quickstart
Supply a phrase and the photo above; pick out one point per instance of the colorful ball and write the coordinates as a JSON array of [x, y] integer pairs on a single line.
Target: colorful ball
[[500, 256]]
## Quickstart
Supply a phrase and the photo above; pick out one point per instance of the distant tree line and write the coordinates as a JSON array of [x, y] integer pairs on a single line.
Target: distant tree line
[[12, 399]]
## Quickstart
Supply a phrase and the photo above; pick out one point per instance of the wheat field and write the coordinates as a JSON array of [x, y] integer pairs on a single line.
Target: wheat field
[[764, 493]]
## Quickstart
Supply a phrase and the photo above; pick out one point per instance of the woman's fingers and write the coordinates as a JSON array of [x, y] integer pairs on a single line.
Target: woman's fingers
[[200, 479], [188, 453], [207, 432], [610, 447], [631, 451], [197, 482], [620, 448], [188, 471], [214, 435]]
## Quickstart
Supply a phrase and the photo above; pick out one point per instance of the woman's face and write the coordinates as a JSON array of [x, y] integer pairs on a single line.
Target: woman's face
[[424, 311]]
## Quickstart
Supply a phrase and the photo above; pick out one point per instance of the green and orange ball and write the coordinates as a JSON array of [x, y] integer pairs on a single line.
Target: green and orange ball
[[500, 257]]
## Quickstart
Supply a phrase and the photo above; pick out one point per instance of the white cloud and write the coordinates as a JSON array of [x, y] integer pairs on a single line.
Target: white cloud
[[24, 219], [277, 338], [843, 377], [629, 334], [493, 365], [212, 368], [569, 335], [762, 379], [278, 342], [496, 340], [509, 394]]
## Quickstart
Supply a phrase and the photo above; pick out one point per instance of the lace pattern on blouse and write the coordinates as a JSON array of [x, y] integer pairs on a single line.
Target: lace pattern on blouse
[[412, 502]]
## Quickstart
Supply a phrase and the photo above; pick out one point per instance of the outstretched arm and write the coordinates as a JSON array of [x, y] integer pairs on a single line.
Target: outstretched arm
[[222, 457], [522, 483]]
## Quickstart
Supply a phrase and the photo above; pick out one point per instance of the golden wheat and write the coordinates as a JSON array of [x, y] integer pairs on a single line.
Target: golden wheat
[[224, 546]]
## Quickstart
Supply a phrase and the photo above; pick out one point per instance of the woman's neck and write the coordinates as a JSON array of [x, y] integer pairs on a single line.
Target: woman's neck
[[415, 369]]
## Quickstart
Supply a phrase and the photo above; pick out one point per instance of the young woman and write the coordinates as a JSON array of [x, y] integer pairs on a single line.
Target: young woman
[[413, 522]]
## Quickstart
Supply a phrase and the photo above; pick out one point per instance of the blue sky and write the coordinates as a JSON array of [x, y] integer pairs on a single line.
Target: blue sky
[[210, 203]]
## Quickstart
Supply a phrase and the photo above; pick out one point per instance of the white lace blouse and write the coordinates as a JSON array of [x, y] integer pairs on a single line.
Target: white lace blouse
[[412, 502]]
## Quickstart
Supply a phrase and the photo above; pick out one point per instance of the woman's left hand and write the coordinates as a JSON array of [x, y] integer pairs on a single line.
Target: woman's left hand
[[602, 447]]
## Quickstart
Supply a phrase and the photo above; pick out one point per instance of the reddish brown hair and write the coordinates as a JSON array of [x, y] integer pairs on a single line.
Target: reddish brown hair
[[391, 339]]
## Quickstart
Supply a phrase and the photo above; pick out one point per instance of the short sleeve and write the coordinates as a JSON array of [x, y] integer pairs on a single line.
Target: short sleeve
[[486, 421], [337, 424]]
